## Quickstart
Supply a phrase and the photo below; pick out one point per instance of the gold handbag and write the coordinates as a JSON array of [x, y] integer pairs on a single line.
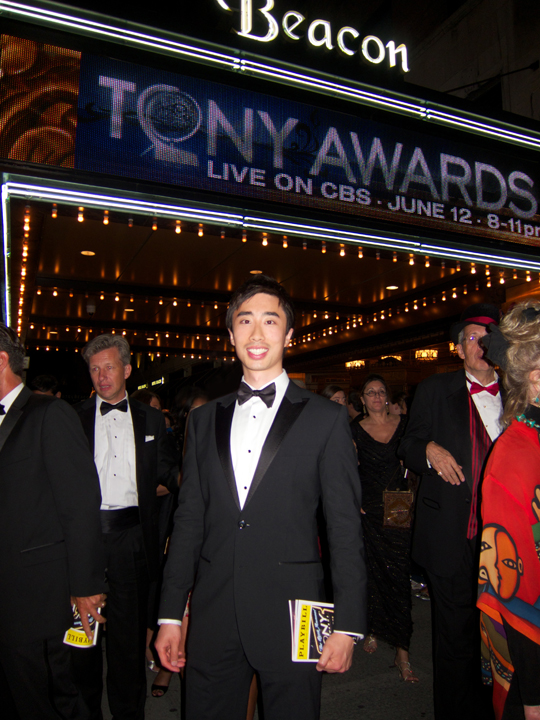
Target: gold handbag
[[398, 506]]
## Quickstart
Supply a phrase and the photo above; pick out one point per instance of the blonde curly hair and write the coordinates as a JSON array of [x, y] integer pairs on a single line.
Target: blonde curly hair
[[521, 329]]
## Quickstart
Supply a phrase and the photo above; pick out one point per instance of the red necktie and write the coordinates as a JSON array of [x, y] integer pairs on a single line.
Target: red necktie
[[477, 388]]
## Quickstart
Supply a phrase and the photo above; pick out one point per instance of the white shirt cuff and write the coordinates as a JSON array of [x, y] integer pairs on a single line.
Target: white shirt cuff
[[168, 621], [354, 635]]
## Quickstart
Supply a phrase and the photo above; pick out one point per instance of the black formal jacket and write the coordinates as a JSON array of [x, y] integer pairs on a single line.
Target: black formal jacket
[[440, 412], [155, 465], [246, 564], [50, 532]]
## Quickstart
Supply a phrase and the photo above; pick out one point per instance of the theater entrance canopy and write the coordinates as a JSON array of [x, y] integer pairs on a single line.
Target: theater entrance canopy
[[146, 175]]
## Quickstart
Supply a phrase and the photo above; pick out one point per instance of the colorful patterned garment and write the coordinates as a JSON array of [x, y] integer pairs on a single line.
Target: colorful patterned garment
[[509, 576]]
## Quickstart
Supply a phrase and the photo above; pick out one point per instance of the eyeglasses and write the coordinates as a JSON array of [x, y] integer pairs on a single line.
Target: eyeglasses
[[374, 393]]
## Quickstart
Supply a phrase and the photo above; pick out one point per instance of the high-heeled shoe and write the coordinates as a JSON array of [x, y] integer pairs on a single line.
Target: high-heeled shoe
[[153, 666], [405, 671], [370, 644]]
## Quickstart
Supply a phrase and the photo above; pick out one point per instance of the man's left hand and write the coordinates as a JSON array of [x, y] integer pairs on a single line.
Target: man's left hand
[[337, 653]]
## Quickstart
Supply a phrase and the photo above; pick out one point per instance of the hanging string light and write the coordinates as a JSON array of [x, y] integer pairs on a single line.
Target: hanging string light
[[285, 242], [323, 247], [105, 217], [342, 250], [54, 211], [200, 231], [360, 252], [80, 215], [265, 239], [178, 227]]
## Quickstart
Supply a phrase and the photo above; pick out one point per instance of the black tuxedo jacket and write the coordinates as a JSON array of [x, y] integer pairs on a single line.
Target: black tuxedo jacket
[[246, 564], [440, 412], [50, 532], [155, 465]]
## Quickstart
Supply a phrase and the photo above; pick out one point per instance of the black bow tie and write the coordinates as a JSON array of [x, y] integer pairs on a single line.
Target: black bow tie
[[2, 410], [267, 394], [107, 407]]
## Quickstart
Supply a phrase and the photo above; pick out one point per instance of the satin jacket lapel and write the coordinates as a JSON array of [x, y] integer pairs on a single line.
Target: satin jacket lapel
[[13, 415], [289, 411], [87, 414], [139, 431], [458, 406], [224, 416]]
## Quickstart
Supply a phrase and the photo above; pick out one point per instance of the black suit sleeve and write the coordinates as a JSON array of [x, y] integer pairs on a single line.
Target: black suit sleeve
[[418, 434], [74, 483], [342, 500], [186, 540]]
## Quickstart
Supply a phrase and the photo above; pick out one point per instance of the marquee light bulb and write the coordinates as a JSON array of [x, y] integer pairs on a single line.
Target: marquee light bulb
[[178, 228], [80, 215]]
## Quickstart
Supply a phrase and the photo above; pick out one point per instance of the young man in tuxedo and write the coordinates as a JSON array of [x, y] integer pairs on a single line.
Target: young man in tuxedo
[[51, 551], [132, 456], [257, 464], [453, 422]]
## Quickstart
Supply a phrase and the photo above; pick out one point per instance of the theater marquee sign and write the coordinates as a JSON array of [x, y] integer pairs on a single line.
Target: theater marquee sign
[[94, 113], [319, 33]]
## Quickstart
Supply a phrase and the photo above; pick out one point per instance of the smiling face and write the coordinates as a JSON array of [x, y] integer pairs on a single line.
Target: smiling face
[[471, 352], [259, 335], [109, 375]]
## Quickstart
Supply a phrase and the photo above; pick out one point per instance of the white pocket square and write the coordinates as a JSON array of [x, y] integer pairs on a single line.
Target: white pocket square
[[148, 438]]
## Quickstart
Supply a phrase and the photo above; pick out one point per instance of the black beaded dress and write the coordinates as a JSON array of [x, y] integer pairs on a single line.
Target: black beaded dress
[[387, 549]]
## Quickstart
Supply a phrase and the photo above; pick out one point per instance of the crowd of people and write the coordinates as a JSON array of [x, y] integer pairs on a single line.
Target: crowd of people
[[89, 494]]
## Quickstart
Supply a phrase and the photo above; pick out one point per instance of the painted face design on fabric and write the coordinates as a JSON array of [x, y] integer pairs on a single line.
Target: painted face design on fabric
[[500, 565]]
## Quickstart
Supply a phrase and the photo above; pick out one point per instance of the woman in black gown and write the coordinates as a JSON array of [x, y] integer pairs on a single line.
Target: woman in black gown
[[377, 437]]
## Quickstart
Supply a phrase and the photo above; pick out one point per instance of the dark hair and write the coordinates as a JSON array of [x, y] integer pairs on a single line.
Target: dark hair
[[145, 396], [10, 343], [181, 407], [330, 390], [254, 286], [374, 377], [398, 398], [106, 342], [355, 399], [44, 384]]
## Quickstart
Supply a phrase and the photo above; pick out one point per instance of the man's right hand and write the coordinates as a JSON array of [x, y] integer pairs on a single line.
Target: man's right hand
[[444, 464], [168, 644], [89, 606]]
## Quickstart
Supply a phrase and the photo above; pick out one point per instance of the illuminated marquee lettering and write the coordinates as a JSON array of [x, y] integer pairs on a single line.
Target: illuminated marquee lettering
[[319, 33], [242, 144]]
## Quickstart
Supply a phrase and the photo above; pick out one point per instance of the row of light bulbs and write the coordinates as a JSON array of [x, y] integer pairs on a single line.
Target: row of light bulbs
[[150, 354], [369, 319], [285, 240], [178, 229]]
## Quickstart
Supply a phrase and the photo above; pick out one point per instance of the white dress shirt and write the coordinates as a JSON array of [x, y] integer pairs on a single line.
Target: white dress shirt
[[250, 426], [9, 399], [489, 407], [114, 455]]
